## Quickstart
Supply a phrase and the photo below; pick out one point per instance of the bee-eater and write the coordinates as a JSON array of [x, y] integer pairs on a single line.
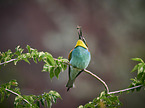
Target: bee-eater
[[79, 58]]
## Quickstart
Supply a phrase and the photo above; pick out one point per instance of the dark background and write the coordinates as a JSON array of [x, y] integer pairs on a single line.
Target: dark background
[[114, 31]]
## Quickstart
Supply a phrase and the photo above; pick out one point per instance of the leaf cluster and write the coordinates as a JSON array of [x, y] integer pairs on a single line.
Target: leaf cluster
[[51, 65], [110, 100], [103, 101], [3, 89], [140, 78], [27, 101], [54, 67]]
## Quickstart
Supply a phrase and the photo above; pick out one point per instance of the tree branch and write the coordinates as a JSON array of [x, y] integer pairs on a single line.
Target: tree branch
[[87, 71], [103, 82], [7, 61], [123, 90], [98, 78], [18, 95]]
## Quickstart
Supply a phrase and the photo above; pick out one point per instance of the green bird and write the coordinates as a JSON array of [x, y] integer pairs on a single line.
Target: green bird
[[79, 57]]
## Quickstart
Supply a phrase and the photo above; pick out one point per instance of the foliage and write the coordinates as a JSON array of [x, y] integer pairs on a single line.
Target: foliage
[[140, 79], [54, 67], [110, 100], [103, 101], [27, 101], [51, 65]]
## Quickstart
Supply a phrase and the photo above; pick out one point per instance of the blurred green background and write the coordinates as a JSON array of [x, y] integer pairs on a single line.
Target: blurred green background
[[114, 31]]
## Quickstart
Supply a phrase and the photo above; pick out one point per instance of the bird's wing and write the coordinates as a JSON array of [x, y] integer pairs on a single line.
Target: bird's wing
[[69, 56]]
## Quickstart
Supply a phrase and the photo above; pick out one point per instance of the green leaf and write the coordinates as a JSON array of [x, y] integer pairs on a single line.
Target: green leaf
[[13, 83], [138, 89], [16, 61], [23, 57], [19, 102], [26, 60], [139, 75], [28, 48], [34, 52], [8, 94], [49, 103], [63, 66], [90, 105], [50, 59], [143, 78], [17, 90], [42, 101], [2, 96], [135, 68], [45, 68], [64, 60], [55, 94], [57, 62], [81, 106], [41, 55], [57, 71], [60, 57], [37, 103], [18, 50], [34, 59], [140, 68], [28, 55], [51, 72], [138, 59]]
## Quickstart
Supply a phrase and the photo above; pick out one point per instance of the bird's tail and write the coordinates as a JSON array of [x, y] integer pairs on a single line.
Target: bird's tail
[[69, 84]]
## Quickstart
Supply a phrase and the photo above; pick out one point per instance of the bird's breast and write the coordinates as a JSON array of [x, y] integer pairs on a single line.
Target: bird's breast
[[80, 57]]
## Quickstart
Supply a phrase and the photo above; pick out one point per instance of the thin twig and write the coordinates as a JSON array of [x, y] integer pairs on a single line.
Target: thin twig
[[7, 61], [103, 82], [18, 95], [89, 72], [123, 90]]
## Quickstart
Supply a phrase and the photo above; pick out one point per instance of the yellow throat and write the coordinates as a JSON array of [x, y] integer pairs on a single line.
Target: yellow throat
[[81, 43]]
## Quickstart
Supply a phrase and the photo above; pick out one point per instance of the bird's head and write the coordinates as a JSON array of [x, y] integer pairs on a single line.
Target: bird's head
[[81, 41]]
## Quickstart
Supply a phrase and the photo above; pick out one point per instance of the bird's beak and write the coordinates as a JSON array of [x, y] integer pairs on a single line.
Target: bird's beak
[[80, 32], [80, 35]]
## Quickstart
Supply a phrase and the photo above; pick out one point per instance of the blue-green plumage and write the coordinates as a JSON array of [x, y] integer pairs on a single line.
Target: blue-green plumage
[[80, 58]]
